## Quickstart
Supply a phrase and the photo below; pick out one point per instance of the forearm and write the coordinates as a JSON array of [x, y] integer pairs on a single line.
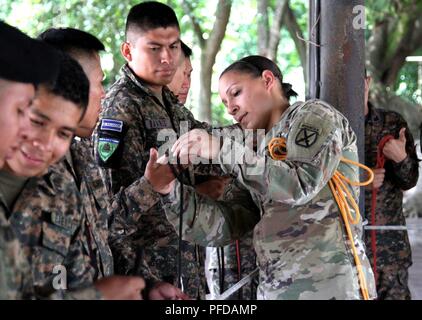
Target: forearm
[[139, 197], [208, 222], [284, 181]]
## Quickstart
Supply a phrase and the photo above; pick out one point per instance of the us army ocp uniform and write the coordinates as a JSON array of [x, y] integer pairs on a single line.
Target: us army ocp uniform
[[300, 240]]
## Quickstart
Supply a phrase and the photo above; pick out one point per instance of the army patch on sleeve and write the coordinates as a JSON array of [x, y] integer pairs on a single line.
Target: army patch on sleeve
[[110, 142], [106, 147], [111, 125], [307, 136]]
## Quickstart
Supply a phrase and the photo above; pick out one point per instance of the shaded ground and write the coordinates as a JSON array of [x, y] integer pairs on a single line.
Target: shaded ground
[[415, 272]]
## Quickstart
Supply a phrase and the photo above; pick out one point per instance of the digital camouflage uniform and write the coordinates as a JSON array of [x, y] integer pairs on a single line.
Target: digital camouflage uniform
[[51, 222], [300, 241], [15, 275], [394, 255], [129, 126]]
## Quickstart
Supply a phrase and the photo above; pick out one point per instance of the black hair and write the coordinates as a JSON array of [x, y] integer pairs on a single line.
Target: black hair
[[69, 39], [151, 15], [71, 83], [187, 52], [255, 65]]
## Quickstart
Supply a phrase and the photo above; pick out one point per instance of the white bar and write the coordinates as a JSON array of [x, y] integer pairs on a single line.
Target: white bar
[[385, 228], [414, 58]]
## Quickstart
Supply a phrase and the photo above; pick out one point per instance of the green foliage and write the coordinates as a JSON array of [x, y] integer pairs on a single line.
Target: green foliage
[[398, 13], [106, 20]]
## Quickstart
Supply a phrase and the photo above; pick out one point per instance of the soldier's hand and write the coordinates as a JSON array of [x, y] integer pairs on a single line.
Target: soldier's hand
[[395, 149], [120, 287], [159, 175], [194, 144], [214, 187], [166, 291], [379, 175]]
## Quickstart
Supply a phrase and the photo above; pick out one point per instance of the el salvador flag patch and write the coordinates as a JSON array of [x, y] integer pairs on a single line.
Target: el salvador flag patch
[[111, 125]]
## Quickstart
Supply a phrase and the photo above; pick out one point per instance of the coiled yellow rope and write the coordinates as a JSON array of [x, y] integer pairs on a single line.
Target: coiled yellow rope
[[278, 151]]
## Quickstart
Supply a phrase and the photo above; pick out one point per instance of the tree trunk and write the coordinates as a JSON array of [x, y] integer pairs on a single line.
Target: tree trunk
[[275, 30], [394, 38], [209, 50], [263, 27], [289, 20], [269, 37], [205, 89]]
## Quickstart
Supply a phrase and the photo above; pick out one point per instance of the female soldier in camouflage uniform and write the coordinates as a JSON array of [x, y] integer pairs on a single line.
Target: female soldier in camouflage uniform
[[301, 242]]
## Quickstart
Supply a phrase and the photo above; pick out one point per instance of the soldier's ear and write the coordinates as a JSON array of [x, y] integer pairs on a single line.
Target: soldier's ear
[[125, 49], [269, 79]]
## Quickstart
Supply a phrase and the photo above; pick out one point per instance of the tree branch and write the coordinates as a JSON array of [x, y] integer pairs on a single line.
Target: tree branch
[[289, 19], [187, 8], [410, 41], [276, 29], [218, 32], [376, 48], [263, 27]]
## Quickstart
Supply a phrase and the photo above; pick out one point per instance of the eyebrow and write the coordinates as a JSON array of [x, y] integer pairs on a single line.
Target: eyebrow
[[153, 43], [228, 89], [43, 116]]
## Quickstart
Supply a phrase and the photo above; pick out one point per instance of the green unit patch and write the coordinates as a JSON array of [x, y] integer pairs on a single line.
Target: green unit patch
[[106, 148]]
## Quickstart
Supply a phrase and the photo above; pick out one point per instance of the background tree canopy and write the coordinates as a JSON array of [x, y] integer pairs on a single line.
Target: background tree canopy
[[221, 31]]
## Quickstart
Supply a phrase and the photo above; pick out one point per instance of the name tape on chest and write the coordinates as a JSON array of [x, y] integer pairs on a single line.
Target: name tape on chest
[[158, 123]]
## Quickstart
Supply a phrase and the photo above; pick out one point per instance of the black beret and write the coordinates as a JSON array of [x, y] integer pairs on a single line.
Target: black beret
[[23, 59]]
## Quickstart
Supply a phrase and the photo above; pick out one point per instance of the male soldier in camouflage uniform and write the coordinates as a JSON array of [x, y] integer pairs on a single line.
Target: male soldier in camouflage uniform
[[180, 84], [300, 241], [73, 233], [23, 63], [136, 111], [84, 174], [393, 252], [45, 142]]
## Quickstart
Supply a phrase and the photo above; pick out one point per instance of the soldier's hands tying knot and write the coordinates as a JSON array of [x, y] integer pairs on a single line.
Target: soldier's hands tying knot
[[194, 144]]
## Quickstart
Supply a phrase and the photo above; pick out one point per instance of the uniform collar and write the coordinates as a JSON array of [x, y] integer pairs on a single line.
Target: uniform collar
[[167, 94]]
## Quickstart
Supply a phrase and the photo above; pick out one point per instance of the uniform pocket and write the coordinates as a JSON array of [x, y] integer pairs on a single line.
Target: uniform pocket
[[55, 238]]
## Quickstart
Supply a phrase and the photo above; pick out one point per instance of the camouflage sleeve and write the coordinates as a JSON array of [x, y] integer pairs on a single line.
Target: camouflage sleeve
[[47, 220], [119, 143], [208, 222], [314, 146], [128, 260], [15, 273], [139, 197], [406, 172]]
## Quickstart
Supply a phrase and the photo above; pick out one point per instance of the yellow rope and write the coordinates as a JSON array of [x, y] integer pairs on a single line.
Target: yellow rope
[[341, 193]]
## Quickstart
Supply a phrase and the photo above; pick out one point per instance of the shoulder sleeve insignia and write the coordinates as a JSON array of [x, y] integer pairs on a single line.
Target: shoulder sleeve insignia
[[306, 136], [110, 142]]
